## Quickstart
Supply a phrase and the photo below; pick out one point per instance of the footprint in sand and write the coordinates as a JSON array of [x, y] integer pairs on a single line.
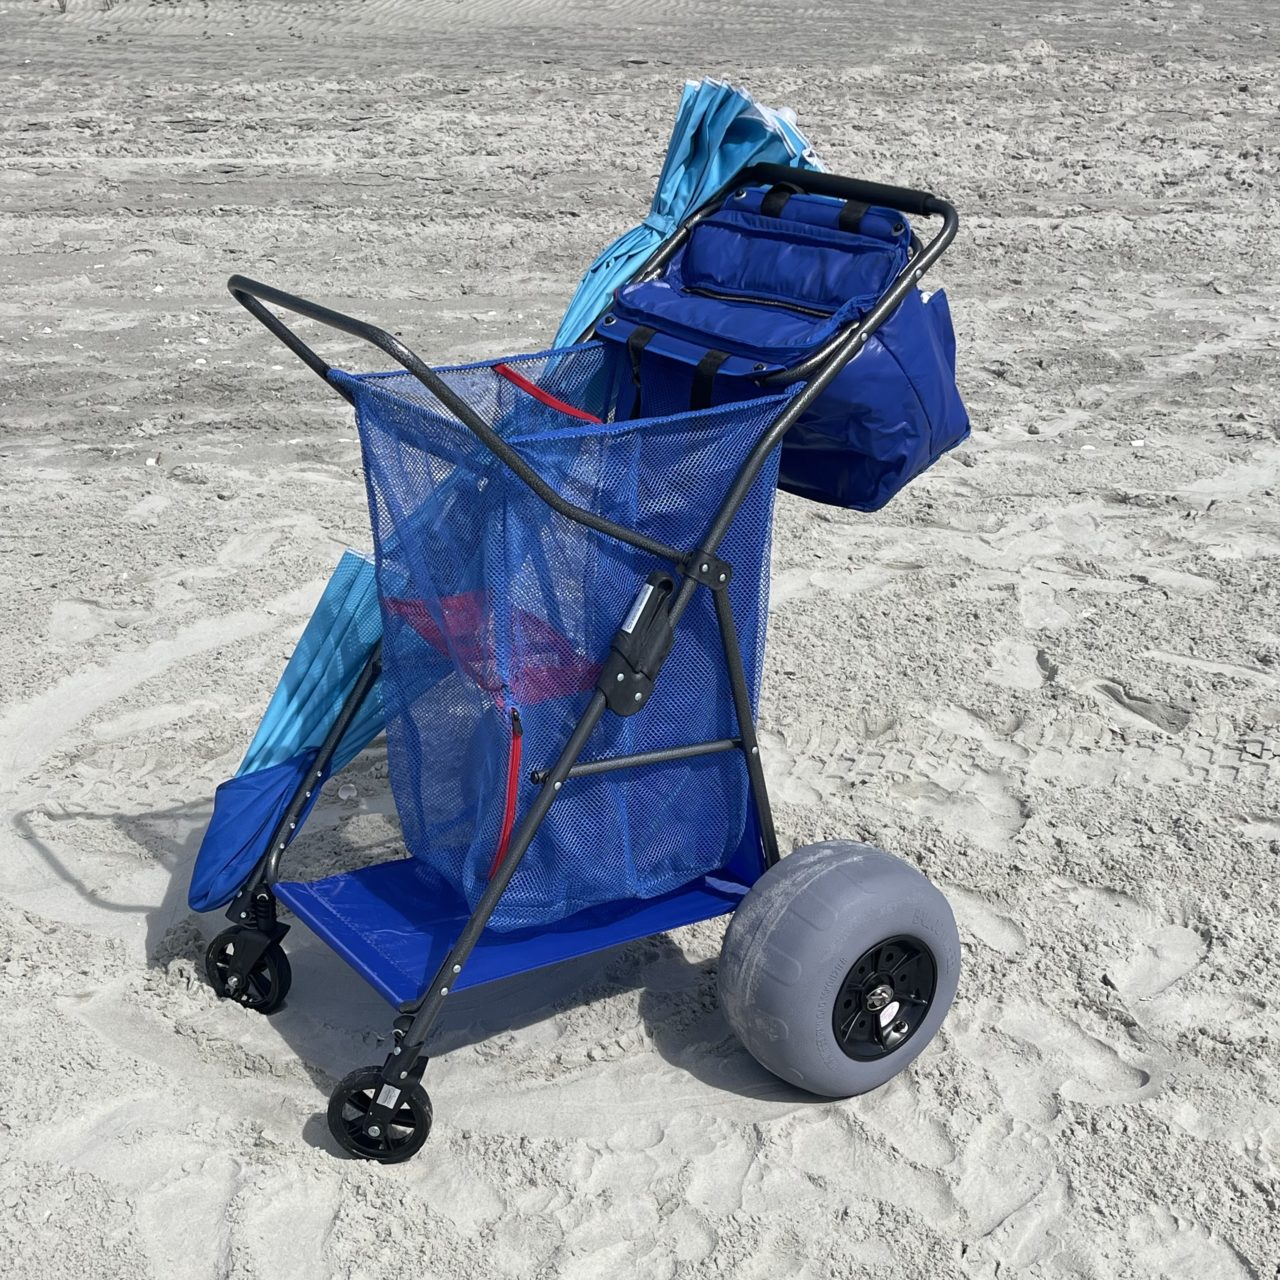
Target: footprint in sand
[[1175, 1249], [1160, 957], [978, 918], [1085, 1068], [978, 732], [1041, 608], [1141, 954], [1022, 1094], [906, 1122], [792, 772], [1135, 711], [1018, 665], [980, 803], [882, 1174], [1016, 1201], [73, 622], [1259, 827]]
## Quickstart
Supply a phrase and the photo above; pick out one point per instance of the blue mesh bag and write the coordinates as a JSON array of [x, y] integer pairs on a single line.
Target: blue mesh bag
[[766, 280], [497, 612]]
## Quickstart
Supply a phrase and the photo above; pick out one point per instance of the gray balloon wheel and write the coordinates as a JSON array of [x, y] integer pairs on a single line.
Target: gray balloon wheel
[[839, 967]]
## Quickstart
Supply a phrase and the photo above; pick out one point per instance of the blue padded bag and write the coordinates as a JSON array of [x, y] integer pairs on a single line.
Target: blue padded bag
[[766, 288]]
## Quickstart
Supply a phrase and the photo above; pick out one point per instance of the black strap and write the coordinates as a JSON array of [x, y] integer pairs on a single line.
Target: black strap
[[851, 214], [774, 200], [704, 377], [637, 340]]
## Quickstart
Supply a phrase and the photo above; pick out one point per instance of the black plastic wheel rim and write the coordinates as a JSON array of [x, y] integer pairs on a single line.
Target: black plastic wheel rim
[[397, 1137], [262, 988], [884, 998]]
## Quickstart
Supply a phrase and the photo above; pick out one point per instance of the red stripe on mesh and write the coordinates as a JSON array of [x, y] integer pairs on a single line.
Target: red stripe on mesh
[[531, 388]]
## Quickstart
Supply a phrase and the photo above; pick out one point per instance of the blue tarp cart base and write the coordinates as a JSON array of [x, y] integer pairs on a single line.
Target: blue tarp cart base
[[391, 925]]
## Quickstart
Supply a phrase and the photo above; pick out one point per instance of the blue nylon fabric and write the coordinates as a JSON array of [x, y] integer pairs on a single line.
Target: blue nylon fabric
[[394, 925], [719, 131], [246, 810], [889, 415], [754, 259], [321, 673], [892, 412]]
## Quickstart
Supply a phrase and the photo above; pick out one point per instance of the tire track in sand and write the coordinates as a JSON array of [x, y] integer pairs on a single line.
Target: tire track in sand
[[30, 731]]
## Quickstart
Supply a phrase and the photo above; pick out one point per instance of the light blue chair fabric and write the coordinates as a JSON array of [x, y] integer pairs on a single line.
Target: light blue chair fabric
[[321, 673], [318, 679]]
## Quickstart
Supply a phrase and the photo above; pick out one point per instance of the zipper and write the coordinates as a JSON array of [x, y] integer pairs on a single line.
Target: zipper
[[513, 790], [723, 295], [699, 338]]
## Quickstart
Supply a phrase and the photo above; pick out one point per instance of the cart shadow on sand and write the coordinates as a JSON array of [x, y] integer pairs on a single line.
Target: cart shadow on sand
[[677, 1009]]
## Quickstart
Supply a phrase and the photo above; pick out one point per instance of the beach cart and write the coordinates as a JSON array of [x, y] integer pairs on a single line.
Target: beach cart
[[562, 631]]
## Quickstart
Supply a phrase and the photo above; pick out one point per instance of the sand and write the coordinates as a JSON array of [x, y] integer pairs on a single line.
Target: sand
[[1048, 674]]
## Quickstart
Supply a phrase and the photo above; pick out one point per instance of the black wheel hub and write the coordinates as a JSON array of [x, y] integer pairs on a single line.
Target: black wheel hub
[[261, 986], [884, 998], [388, 1134]]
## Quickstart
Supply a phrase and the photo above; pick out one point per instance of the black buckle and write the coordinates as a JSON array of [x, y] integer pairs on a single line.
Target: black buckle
[[639, 649]]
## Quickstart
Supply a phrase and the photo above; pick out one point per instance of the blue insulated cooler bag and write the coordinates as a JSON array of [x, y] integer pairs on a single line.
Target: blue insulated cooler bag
[[764, 282]]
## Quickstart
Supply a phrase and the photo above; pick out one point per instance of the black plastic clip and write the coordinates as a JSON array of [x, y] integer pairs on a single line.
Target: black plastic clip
[[639, 648], [710, 570]]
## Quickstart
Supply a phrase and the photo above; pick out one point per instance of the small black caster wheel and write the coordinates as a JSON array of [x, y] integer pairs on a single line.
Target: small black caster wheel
[[396, 1139], [267, 984]]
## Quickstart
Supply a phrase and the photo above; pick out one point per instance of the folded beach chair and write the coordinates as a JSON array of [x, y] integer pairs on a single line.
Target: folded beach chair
[[571, 571]]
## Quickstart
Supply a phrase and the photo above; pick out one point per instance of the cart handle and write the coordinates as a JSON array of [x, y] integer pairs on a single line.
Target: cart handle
[[252, 295], [815, 182]]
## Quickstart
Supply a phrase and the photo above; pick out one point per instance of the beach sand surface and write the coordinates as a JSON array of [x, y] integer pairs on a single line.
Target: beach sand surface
[[1048, 674]]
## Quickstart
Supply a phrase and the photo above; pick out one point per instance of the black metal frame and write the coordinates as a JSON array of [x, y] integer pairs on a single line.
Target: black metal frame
[[253, 909], [637, 654]]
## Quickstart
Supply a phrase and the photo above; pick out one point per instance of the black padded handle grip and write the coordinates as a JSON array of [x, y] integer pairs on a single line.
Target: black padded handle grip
[[830, 184]]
